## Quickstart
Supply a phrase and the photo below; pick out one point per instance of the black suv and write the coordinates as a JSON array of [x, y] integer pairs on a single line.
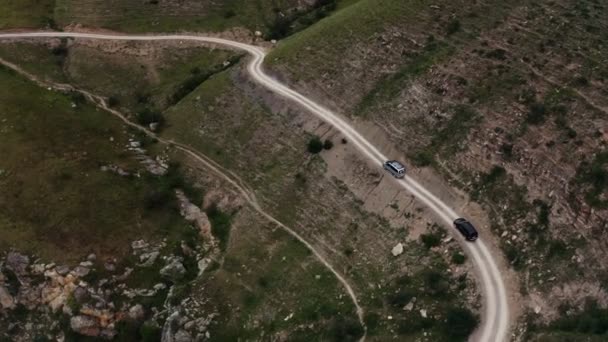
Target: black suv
[[466, 229]]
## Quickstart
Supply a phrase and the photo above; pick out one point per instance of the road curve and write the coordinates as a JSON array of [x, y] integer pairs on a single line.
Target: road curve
[[495, 320]]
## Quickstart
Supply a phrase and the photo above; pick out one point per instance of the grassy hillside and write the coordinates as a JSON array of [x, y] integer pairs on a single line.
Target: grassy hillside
[[274, 18], [506, 99], [53, 148], [26, 14]]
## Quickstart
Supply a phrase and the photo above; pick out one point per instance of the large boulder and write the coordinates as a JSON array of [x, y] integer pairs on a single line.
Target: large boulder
[[17, 263], [85, 325], [136, 312], [174, 270], [6, 300]]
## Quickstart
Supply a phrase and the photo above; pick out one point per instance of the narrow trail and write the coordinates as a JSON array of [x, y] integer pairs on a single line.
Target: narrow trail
[[208, 163]]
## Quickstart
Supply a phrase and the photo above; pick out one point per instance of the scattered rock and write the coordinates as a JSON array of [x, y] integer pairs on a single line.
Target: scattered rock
[[17, 263], [153, 126], [398, 249], [537, 309], [409, 306], [202, 265], [91, 257], [148, 259], [86, 264], [109, 265], [136, 312], [6, 300], [423, 313], [182, 336], [81, 271], [62, 270], [139, 244], [85, 325], [193, 213], [80, 295], [258, 33], [174, 270]]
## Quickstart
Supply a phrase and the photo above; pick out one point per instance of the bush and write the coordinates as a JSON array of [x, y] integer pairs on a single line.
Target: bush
[[536, 113], [158, 199], [453, 27], [436, 283], [148, 116], [346, 330], [423, 158], [344, 141], [400, 299], [458, 258], [220, 225], [150, 332], [430, 240], [460, 323], [113, 101], [315, 145], [328, 144]]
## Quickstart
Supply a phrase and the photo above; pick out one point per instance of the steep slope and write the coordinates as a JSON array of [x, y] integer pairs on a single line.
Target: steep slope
[[504, 99]]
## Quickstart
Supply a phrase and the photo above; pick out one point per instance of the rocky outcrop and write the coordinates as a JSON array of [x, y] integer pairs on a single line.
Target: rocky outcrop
[[194, 214], [17, 263], [174, 269], [85, 325], [6, 300]]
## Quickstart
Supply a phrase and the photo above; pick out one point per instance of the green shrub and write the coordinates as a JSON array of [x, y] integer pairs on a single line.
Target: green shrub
[[346, 329], [220, 225], [453, 26], [460, 323], [150, 332], [431, 240], [595, 176], [536, 113], [458, 258], [315, 145], [328, 144], [424, 157], [148, 116]]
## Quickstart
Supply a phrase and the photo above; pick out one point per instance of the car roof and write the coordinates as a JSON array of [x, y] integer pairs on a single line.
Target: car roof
[[397, 165], [467, 226]]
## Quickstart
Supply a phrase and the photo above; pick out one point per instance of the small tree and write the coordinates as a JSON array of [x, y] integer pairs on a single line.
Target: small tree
[[315, 145], [328, 144], [458, 258], [460, 323], [431, 240]]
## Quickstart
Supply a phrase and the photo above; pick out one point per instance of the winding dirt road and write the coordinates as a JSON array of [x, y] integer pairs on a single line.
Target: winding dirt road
[[495, 320]]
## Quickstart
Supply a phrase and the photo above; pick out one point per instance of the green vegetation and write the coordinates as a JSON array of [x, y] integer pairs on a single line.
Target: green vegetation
[[431, 240], [419, 63], [449, 137], [328, 144], [46, 205], [458, 258], [26, 14], [593, 176], [132, 82], [460, 323], [315, 145], [591, 321], [220, 225]]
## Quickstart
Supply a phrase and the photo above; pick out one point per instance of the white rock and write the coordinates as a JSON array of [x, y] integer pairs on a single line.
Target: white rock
[[258, 33], [537, 309], [423, 313], [398, 249], [409, 306]]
